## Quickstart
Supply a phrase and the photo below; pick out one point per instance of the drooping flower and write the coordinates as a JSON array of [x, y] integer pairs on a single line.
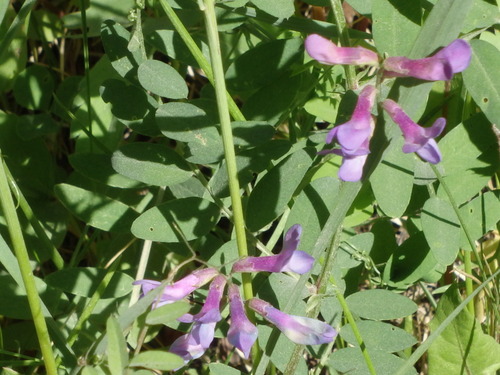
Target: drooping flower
[[288, 260], [210, 312], [326, 52], [454, 58], [192, 345], [300, 330], [354, 136], [417, 138], [242, 333], [179, 289]]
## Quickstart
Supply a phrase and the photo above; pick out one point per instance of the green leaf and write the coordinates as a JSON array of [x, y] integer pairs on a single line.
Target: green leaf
[[95, 209], [272, 193], [263, 64], [351, 361], [161, 79], [380, 304], [221, 369], [83, 281], [151, 163], [379, 335], [482, 14], [193, 216], [441, 229], [167, 313], [115, 39], [462, 348], [392, 180], [251, 133], [33, 88], [276, 8], [157, 360], [395, 26], [482, 78], [117, 347]]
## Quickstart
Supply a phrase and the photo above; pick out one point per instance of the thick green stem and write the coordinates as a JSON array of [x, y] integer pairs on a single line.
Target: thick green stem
[[227, 138], [467, 254], [339, 17], [21, 252], [198, 56]]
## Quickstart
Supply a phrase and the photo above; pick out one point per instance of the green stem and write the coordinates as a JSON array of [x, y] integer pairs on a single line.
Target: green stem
[[339, 17], [227, 138], [35, 224], [198, 56], [86, 59], [467, 255], [21, 252]]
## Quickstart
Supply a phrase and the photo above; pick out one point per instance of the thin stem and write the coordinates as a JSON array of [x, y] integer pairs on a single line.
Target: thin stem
[[428, 294], [227, 138], [86, 59], [198, 56], [21, 252], [35, 224], [467, 254], [339, 17]]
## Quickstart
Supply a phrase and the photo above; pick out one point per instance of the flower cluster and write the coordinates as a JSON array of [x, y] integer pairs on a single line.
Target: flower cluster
[[242, 332], [354, 135]]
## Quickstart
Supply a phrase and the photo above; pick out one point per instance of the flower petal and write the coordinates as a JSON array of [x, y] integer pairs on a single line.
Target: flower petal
[[300, 262], [352, 168], [242, 333], [458, 54], [430, 152]]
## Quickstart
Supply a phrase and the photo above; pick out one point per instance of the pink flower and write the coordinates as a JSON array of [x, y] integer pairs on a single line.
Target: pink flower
[[179, 289], [192, 345], [242, 333], [417, 138], [354, 137], [300, 330], [326, 52], [288, 260], [452, 59]]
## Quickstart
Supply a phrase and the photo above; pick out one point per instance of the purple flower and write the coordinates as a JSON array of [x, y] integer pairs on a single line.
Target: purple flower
[[452, 59], [417, 139], [192, 345], [288, 260], [299, 329], [210, 312], [326, 52], [354, 136], [179, 289], [242, 333]]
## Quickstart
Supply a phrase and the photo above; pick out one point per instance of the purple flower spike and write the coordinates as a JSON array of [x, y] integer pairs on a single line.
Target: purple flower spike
[[242, 333], [417, 138], [193, 344], [181, 288], [300, 330], [452, 59], [354, 137], [288, 260], [210, 312], [326, 52]]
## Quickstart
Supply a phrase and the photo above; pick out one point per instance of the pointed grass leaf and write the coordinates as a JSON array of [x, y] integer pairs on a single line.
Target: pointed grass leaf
[[83, 281], [441, 229], [380, 304], [167, 313], [161, 79], [482, 78], [95, 209], [33, 88], [272, 193], [151, 163], [379, 335], [117, 347], [97, 167], [115, 39], [351, 361], [392, 180], [193, 216], [157, 360], [462, 348]]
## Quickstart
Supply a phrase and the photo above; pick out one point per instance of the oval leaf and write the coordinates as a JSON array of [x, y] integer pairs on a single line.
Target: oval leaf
[[157, 360], [167, 313], [380, 304], [194, 216], [151, 163], [161, 79]]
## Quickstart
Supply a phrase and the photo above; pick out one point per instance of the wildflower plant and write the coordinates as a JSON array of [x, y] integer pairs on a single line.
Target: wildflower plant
[[255, 187]]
